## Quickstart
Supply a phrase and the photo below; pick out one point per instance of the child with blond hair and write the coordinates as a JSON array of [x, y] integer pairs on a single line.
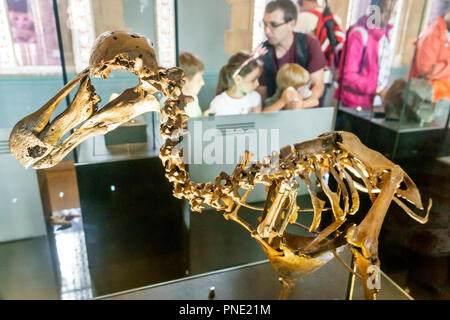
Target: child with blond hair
[[193, 69], [293, 84]]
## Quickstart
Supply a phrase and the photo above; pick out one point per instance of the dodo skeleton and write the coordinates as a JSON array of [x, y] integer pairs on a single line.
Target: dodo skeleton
[[36, 141]]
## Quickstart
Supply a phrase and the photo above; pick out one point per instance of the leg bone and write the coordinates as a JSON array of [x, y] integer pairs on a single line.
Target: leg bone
[[339, 214], [365, 235]]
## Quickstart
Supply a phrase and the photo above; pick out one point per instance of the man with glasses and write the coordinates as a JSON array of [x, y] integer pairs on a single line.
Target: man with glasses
[[286, 46]]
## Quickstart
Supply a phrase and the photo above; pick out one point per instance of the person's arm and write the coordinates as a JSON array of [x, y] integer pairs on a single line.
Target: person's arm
[[257, 104], [277, 106], [212, 107], [316, 67], [299, 103], [256, 109], [310, 103]]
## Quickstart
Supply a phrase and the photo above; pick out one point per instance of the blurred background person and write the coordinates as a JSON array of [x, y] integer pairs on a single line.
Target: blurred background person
[[365, 64], [432, 59], [193, 69], [235, 91], [286, 46], [22, 24], [320, 21]]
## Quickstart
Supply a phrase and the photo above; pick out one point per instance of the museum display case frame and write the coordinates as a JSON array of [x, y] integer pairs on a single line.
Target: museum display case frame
[[402, 138]]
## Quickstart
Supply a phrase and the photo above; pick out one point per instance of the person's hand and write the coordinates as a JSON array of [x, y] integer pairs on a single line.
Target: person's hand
[[296, 100], [259, 51], [289, 96], [295, 105]]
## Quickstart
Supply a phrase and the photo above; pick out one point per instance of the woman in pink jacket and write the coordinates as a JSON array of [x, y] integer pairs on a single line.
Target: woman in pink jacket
[[362, 74]]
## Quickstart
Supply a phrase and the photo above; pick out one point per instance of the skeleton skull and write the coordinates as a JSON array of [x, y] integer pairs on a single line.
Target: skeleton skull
[[34, 140]]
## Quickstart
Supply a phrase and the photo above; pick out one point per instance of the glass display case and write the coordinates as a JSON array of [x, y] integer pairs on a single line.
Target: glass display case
[[404, 114], [399, 114], [105, 220]]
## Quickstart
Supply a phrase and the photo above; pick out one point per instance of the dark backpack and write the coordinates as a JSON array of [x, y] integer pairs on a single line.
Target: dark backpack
[[269, 61]]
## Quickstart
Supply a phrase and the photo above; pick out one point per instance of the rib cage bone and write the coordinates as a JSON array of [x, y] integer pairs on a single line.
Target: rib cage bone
[[35, 141]]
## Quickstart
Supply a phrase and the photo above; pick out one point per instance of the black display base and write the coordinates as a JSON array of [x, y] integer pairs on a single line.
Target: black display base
[[393, 139], [134, 227]]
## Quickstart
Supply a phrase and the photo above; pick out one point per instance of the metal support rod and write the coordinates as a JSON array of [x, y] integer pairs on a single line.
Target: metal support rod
[[153, 131], [340, 81], [351, 281], [63, 62], [177, 50], [407, 91], [444, 137]]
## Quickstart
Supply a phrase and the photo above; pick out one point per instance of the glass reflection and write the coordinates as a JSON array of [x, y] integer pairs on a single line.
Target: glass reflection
[[73, 268], [81, 24], [34, 39], [429, 91]]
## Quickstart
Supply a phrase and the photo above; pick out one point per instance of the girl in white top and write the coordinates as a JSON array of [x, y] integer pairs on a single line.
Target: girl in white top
[[293, 83], [235, 91]]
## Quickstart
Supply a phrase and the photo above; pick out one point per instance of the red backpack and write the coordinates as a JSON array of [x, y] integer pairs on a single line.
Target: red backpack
[[328, 32]]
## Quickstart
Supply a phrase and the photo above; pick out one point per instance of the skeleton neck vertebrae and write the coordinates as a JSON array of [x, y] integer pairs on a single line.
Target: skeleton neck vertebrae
[[337, 156]]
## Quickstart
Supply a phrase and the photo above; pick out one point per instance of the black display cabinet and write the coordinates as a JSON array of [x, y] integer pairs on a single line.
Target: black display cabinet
[[396, 140], [135, 229]]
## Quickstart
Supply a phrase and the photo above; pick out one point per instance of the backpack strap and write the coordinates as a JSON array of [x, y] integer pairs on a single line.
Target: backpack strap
[[269, 69]]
